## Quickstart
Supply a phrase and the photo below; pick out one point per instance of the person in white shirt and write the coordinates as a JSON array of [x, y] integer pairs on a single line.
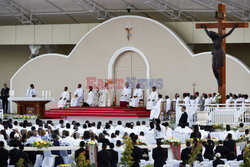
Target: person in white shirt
[[138, 128], [125, 95], [228, 101], [68, 140], [240, 131], [152, 99], [31, 92], [156, 110], [63, 98], [119, 149], [207, 101], [159, 130], [78, 96], [91, 99], [168, 131], [137, 96], [197, 99], [228, 130]]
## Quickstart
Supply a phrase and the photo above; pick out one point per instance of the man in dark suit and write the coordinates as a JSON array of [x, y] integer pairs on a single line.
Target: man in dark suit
[[184, 117], [4, 97], [82, 150], [230, 145], [114, 155], [186, 153], [221, 149], [218, 161], [20, 154], [13, 155], [136, 154], [104, 157], [159, 155], [3, 155]]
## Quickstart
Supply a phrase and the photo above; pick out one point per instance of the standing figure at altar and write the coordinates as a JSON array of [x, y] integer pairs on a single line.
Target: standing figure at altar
[[78, 96], [103, 99], [63, 98], [137, 96], [91, 99], [152, 99], [125, 95], [31, 92]]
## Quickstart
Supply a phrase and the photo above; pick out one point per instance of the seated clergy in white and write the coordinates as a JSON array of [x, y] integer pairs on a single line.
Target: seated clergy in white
[[125, 95], [31, 92], [91, 99], [103, 99], [156, 110], [78, 96], [152, 99], [137, 96], [63, 98]]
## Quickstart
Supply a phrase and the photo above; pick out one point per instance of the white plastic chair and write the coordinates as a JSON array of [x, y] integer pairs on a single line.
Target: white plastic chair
[[65, 156], [39, 160], [48, 160]]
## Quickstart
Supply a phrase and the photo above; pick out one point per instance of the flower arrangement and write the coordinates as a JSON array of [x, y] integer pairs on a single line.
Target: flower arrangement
[[80, 161], [172, 141], [127, 159], [42, 143], [5, 116], [246, 155], [191, 140], [91, 143], [17, 116], [139, 142], [218, 126]]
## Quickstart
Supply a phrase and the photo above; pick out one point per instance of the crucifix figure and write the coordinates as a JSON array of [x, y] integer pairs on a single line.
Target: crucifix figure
[[194, 85], [128, 29], [219, 44]]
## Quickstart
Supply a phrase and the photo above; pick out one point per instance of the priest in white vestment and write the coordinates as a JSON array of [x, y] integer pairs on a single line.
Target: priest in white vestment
[[168, 105], [31, 92], [156, 110], [125, 95], [91, 99], [78, 96], [152, 99], [137, 96], [63, 98]]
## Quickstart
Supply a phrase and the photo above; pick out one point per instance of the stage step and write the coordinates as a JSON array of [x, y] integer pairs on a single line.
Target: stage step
[[97, 112]]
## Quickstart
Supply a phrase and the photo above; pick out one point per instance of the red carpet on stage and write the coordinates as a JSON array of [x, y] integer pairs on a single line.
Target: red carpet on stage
[[116, 111]]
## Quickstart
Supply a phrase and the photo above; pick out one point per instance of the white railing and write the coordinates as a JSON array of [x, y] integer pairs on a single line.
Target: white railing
[[217, 113]]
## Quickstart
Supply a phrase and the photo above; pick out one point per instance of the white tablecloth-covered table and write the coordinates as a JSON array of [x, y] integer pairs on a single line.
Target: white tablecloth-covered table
[[29, 99], [219, 135]]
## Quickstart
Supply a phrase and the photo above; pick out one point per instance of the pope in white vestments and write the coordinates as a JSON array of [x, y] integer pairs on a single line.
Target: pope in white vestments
[[103, 96], [78, 96], [156, 110], [63, 98], [137, 96], [125, 95], [152, 99], [31, 92]]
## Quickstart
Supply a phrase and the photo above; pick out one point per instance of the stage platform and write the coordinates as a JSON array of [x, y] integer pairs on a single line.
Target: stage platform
[[109, 112]]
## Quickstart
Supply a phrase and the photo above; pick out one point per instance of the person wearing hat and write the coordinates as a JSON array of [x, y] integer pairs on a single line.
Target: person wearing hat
[[217, 160]]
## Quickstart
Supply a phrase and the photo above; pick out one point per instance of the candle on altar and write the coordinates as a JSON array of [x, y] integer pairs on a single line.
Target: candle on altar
[[42, 93], [49, 93], [46, 93]]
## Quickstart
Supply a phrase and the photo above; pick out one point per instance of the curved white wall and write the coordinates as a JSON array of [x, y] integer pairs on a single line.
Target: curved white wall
[[167, 56]]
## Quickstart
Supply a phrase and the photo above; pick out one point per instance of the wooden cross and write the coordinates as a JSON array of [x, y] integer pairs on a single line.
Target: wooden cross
[[222, 25], [194, 84]]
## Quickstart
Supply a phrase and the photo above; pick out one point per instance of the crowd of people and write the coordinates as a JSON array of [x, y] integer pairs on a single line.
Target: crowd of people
[[19, 134]]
